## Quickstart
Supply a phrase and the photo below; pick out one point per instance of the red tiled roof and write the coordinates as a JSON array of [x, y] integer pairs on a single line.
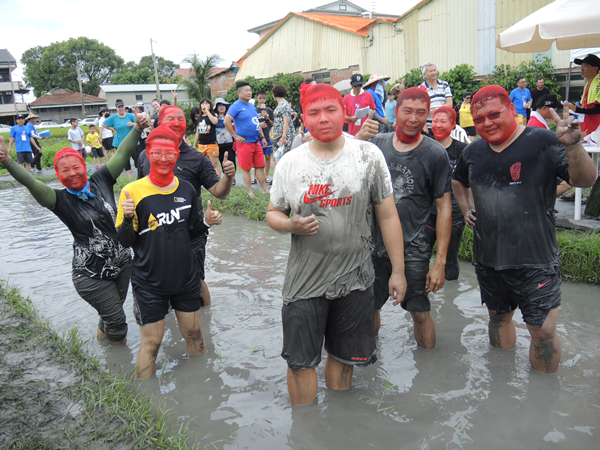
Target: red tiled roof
[[356, 25], [65, 99], [184, 72], [217, 70]]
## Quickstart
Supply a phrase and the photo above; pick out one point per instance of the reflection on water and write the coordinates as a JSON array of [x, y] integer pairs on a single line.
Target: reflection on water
[[463, 394]]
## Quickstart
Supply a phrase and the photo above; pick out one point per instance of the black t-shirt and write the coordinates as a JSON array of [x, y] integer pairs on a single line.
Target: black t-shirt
[[207, 131], [514, 193], [536, 95], [164, 259], [96, 251], [419, 177], [454, 151], [192, 166], [261, 119]]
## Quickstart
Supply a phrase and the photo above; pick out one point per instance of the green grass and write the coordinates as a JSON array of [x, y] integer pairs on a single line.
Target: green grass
[[239, 204], [579, 254], [115, 414]]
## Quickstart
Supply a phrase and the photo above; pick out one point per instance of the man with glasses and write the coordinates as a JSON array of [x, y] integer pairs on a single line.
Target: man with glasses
[[510, 174], [120, 124], [466, 117]]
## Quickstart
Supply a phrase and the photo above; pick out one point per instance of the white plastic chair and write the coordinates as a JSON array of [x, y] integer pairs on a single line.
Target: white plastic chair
[[460, 134]]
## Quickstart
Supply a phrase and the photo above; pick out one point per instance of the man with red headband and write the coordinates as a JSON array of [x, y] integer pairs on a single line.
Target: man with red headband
[[101, 266], [511, 173], [444, 121], [421, 178], [197, 169], [332, 184], [158, 217]]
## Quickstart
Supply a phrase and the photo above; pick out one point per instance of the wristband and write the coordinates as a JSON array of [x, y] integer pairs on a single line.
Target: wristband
[[207, 225]]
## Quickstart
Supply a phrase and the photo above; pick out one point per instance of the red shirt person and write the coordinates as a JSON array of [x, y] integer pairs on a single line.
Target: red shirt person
[[354, 101]]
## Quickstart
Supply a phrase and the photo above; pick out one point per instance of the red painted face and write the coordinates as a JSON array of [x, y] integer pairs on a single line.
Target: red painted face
[[71, 172], [163, 155], [441, 126], [174, 118], [494, 121], [411, 117], [324, 118]]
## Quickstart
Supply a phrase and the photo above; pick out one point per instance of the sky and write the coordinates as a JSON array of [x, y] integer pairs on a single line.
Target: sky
[[200, 27]]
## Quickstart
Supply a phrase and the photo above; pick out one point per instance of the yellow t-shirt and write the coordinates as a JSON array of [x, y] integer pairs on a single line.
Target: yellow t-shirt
[[94, 140], [466, 118]]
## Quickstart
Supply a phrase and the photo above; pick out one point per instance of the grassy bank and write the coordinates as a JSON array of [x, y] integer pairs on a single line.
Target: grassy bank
[[53, 395]]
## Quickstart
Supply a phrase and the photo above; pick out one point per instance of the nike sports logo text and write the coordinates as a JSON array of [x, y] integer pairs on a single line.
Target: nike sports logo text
[[317, 192]]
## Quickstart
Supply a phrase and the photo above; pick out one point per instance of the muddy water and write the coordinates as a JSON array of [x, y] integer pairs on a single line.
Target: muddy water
[[463, 394]]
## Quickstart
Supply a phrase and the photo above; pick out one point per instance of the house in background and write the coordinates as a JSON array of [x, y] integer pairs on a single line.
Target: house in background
[[133, 93], [9, 107], [329, 45], [60, 104], [221, 79]]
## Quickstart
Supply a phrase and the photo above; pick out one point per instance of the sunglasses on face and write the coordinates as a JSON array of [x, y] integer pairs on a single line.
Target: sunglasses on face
[[491, 116], [166, 156]]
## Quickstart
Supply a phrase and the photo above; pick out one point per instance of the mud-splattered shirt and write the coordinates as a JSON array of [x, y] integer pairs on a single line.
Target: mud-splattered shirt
[[514, 193], [96, 251], [419, 176], [340, 192]]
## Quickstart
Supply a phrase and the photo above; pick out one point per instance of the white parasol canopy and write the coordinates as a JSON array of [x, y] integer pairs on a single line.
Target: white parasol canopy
[[569, 23]]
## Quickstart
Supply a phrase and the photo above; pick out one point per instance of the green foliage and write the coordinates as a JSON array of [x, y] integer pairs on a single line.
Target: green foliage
[[531, 70], [196, 84], [412, 79], [56, 65], [292, 82], [461, 79], [143, 73]]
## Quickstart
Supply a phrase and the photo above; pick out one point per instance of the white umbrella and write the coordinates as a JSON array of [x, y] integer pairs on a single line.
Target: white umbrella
[[343, 86], [569, 23]]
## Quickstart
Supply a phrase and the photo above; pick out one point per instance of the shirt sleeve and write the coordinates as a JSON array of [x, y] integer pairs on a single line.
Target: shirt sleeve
[[381, 186], [108, 121], [447, 91], [442, 176], [279, 197], [208, 174], [461, 170]]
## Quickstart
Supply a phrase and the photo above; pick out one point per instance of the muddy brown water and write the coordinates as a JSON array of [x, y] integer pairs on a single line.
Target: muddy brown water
[[461, 395]]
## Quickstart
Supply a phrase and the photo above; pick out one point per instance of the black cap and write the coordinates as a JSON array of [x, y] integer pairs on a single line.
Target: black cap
[[548, 100], [590, 59], [20, 116], [357, 80]]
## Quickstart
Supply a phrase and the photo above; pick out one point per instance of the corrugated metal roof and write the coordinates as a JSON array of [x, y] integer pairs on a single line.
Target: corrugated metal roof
[[357, 25], [136, 87], [6, 58]]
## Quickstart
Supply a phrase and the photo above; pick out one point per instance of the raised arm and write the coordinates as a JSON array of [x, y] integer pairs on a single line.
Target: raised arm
[[582, 172], [43, 194], [126, 148]]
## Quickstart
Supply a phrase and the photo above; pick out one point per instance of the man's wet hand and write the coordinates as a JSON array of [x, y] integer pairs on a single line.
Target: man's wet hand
[[568, 131], [369, 129], [304, 226], [397, 286], [470, 218]]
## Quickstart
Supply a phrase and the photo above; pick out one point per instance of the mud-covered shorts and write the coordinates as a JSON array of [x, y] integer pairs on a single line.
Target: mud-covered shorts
[[152, 307], [534, 291], [347, 324], [416, 298]]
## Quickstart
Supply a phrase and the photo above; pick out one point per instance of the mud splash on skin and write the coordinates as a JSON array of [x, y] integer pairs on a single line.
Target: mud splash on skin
[[462, 394]]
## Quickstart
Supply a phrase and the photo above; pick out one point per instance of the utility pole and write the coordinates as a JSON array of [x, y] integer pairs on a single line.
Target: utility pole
[[158, 96], [80, 92]]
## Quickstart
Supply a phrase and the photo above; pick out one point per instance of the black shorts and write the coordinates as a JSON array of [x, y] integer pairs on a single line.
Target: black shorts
[[416, 298], [199, 247], [534, 291], [97, 152], [24, 157], [470, 131], [107, 143], [151, 307], [347, 324]]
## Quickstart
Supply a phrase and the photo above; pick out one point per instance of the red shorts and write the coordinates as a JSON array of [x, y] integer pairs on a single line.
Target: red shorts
[[250, 155]]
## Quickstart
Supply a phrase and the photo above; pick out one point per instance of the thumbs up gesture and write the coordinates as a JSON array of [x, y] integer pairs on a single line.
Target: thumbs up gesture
[[369, 128], [128, 206], [212, 217], [228, 166]]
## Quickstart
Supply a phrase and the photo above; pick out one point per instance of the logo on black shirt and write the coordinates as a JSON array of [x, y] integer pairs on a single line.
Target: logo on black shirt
[[515, 173]]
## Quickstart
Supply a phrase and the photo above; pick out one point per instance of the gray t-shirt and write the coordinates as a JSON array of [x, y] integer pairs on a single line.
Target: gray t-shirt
[[419, 176], [340, 192]]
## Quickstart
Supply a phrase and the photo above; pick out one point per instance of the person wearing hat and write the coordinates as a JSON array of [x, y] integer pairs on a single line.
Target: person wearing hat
[[224, 138], [539, 117], [439, 91], [355, 100], [21, 137], [376, 87], [120, 124], [37, 148], [590, 101]]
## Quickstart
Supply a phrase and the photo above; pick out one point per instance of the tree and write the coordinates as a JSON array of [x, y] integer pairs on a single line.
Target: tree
[[291, 82], [196, 84], [143, 73], [412, 79], [56, 65], [531, 70]]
